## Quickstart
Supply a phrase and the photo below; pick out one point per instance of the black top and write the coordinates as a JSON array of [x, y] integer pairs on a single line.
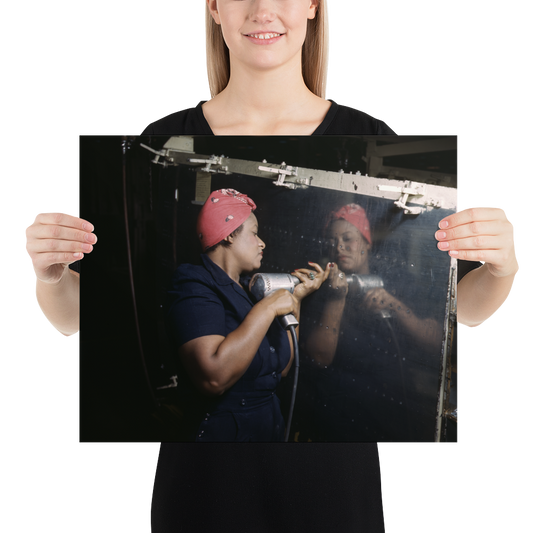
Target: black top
[[339, 120], [267, 488]]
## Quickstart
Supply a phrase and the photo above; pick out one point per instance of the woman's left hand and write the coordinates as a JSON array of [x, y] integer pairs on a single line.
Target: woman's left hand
[[480, 234], [311, 280], [378, 300]]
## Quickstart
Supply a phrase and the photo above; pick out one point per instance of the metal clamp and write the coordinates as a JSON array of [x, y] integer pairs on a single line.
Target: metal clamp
[[283, 172], [405, 192], [158, 154], [212, 161]]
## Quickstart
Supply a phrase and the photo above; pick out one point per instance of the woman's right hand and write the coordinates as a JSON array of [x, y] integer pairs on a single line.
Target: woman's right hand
[[281, 302], [56, 240], [336, 284]]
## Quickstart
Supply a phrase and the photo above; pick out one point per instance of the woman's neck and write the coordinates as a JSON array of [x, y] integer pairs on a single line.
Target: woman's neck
[[226, 263], [273, 102]]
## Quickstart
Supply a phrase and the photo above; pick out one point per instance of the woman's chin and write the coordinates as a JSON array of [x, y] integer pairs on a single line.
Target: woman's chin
[[256, 265]]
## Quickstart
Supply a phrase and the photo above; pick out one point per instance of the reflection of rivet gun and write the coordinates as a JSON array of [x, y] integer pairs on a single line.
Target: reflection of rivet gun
[[365, 283]]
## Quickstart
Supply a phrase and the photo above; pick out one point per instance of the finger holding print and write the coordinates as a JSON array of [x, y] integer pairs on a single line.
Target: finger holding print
[[56, 240], [480, 234]]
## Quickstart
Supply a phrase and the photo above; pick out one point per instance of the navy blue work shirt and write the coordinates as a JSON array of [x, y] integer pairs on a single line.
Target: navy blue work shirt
[[204, 300]]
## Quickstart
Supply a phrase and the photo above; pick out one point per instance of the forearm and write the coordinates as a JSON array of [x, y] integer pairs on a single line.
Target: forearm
[[424, 331], [237, 350], [322, 342], [60, 302], [480, 294]]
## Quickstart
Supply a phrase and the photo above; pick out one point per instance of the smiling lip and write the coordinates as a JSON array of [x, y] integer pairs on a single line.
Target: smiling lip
[[264, 37]]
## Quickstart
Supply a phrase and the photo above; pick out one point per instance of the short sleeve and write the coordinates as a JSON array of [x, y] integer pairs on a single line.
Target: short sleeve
[[383, 129], [194, 311], [149, 130], [464, 267]]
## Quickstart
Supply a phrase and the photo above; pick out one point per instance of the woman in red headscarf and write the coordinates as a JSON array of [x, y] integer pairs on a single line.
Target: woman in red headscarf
[[348, 230], [362, 395], [233, 351]]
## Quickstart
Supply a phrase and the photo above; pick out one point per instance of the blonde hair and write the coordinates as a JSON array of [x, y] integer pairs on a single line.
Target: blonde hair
[[314, 53]]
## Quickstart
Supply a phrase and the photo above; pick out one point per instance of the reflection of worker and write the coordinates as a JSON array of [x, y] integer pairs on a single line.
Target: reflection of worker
[[348, 231], [361, 389], [233, 351]]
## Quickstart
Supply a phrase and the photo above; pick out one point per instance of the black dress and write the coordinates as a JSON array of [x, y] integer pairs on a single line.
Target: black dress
[[267, 488]]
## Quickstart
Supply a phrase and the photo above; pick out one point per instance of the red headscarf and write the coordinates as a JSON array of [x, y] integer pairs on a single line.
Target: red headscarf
[[355, 215], [223, 212]]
